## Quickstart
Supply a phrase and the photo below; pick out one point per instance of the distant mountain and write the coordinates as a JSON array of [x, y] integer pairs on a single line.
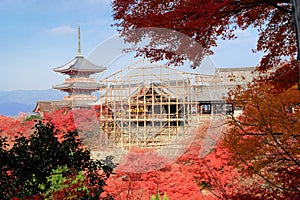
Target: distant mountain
[[16, 101], [13, 109]]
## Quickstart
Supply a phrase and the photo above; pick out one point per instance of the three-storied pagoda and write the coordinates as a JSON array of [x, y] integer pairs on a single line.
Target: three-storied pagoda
[[79, 85]]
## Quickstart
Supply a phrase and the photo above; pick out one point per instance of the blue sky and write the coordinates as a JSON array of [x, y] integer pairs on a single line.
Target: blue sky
[[36, 36]]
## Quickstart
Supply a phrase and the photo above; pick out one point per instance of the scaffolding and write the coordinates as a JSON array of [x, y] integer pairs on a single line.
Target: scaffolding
[[147, 106]]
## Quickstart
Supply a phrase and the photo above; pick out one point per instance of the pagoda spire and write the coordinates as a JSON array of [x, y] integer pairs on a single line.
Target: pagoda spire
[[79, 48]]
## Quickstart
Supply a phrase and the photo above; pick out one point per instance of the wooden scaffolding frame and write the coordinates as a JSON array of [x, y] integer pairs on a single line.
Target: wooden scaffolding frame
[[148, 106]]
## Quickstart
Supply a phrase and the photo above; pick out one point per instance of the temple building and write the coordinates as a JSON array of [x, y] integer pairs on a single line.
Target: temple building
[[79, 85], [152, 89], [212, 96], [152, 105]]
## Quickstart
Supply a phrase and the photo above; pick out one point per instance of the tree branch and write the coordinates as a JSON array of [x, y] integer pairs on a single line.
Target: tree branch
[[262, 176], [275, 5], [274, 138]]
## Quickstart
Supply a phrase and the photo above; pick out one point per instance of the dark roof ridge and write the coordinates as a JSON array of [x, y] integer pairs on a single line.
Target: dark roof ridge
[[232, 69]]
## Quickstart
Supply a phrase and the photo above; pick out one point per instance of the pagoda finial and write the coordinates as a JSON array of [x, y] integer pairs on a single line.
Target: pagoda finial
[[79, 48]]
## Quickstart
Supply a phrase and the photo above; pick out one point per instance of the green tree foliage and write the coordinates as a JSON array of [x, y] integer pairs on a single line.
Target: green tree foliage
[[30, 166], [159, 197], [33, 117], [71, 186]]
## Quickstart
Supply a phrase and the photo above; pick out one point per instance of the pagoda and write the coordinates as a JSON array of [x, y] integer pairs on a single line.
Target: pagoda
[[79, 85]]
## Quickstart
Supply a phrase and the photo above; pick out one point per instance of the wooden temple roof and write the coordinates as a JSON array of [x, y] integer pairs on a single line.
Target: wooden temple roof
[[79, 64], [51, 106], [77, 85]]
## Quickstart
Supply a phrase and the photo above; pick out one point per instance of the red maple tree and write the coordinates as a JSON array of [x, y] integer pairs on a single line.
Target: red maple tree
[[190, 176], [203, 22], [13, 126], [264, 140]]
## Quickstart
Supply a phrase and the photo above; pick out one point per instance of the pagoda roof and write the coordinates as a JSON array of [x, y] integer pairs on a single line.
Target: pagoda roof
[[78, 85], [79, 64]]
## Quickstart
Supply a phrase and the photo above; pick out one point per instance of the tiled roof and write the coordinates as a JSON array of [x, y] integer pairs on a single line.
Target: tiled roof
[[222, 81], [50, 106], [234, 76], [79, 63], [78, 85], [43, 106]]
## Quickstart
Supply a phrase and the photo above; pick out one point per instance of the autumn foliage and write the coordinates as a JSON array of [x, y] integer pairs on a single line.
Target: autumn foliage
[[261, 145], [10, 127], [204, 22], [265, 138], [188, 177], [256, 156]]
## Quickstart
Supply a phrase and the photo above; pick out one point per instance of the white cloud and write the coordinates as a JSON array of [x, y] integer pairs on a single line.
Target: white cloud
[[62, 30]]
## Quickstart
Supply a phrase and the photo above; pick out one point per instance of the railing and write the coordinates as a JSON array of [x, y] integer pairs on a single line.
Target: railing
[[71, 80], [80, 97]]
